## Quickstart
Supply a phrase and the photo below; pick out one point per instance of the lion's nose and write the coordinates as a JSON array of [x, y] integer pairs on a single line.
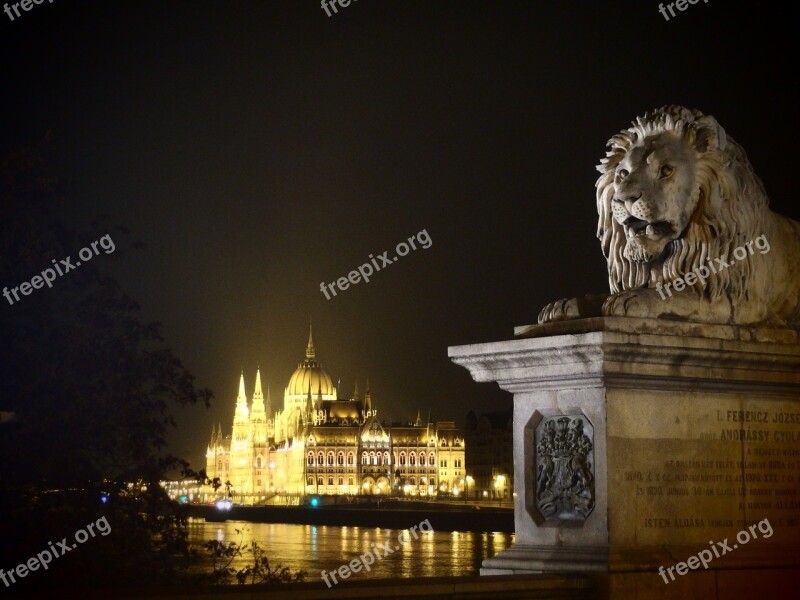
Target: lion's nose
[[633, 199], [628, 199]]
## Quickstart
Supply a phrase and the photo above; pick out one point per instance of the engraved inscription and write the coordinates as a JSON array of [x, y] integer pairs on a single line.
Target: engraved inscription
[[764, 480], [565, 468], [686, 472]]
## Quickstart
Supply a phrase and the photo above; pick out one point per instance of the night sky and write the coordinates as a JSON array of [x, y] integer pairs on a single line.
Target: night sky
[[258, 148]]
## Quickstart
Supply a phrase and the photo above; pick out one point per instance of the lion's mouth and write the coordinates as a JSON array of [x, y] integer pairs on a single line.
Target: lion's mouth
[[638, 228]]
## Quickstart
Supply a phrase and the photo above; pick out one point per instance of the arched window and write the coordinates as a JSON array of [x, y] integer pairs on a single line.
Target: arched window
[[412, 459], [310, 458], [330, 458], [364, 459], [422, 459], [372, 458], [350, 458], [340, 459], [402, 458], [220, 466], [341, 480], [258, 462], [330, 480], [349, 481], [431, 459], [310, 481], [320, 459], [412, 481], [319, 481], [386, 458]]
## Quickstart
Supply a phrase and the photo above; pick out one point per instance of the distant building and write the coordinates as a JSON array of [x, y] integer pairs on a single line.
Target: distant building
[[321, 444], [490, 455]]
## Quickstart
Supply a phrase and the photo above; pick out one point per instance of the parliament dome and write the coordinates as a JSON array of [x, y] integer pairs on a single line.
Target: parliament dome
[[310, 373]]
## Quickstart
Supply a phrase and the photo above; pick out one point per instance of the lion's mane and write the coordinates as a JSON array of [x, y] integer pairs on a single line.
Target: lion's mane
[[731, 209]]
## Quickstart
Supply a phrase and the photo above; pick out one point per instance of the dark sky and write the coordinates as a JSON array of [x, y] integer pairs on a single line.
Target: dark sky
[[258, 148]]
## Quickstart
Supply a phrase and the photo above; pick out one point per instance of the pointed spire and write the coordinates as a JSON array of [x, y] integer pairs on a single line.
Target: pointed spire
[[355, 392], [310, 352], [309, 403], [269, 405], [258, 394], [258, 414], [242, 397], [319, 391], [418, 422], [367, 398], [241, 412]]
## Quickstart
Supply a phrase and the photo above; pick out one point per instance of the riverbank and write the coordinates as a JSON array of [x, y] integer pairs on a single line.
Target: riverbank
[[448, 517]]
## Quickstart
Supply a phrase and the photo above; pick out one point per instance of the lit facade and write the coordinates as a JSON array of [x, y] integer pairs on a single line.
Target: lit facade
[[321, 444], [490, 457]]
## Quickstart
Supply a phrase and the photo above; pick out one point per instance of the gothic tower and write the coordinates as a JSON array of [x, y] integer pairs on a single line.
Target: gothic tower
[[241, 445]]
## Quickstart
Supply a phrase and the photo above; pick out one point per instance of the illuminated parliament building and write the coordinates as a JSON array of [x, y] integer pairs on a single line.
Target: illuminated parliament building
[[319, 443]]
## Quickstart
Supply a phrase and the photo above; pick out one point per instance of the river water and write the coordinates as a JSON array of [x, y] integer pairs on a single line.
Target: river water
[[317, 547]]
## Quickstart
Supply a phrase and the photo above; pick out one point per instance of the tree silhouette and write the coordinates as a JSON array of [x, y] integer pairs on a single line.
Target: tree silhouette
[[91, 387]]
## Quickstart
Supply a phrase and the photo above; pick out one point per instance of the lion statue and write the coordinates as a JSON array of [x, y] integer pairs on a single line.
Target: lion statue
[[680, 210]]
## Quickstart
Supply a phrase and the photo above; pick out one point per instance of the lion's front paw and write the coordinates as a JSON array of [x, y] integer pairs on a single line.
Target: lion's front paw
[[560, 310], [632, 303]]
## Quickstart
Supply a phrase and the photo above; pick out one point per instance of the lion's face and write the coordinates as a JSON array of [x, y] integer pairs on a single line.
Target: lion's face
[[655, 195], [675, 191]]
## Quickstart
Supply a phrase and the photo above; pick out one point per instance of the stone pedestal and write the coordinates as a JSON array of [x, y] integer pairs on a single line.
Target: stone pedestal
[[640, 443]]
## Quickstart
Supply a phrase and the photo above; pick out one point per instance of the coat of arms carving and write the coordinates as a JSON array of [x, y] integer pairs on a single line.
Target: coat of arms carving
[[564, 468]]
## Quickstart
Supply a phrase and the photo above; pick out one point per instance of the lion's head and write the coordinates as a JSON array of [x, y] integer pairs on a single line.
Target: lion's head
[[675, 192]]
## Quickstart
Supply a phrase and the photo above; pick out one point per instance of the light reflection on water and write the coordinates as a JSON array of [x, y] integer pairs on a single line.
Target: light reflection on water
[[317, 547]]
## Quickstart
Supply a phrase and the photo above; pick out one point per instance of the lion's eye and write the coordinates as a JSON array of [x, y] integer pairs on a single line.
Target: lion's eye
[[622, 174], [665, 171]]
